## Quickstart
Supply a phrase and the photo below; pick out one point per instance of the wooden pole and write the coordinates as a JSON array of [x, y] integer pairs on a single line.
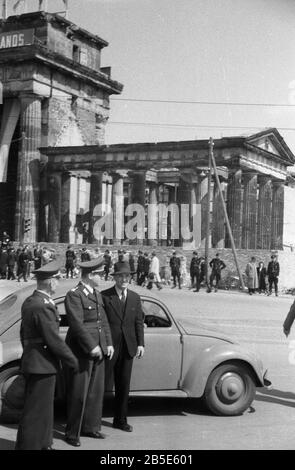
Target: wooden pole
[[4, 9], [227, 219], [207, 239]]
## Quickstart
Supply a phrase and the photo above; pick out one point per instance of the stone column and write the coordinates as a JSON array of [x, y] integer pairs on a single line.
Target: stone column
[[138, 197], [28, 178], [202, 198], [234, 205], [264, 213], [153, 213], [118, 207], [65, 207], [95, 200], [249, 210], [218, 220], [277, 215], [54, 214]]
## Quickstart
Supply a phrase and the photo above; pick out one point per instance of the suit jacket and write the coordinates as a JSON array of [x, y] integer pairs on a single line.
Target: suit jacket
[[88, 324], [43, 348], [128, 322]]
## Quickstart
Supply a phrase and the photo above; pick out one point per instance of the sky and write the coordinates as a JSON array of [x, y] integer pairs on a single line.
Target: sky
[[185, 51]]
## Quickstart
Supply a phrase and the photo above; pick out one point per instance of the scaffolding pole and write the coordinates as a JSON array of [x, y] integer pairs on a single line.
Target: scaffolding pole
[[212, 158], [207, 239]]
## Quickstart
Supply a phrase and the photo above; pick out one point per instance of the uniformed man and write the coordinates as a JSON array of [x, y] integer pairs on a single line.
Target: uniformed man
[[90, 339], [42, 351]]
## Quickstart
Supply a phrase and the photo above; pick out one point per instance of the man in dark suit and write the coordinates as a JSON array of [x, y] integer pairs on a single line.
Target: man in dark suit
[[125, 315], [42, 351], [273, 271], [90, 339]]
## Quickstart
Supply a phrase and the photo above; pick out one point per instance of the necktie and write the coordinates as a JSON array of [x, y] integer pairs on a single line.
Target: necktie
[[123, 298]]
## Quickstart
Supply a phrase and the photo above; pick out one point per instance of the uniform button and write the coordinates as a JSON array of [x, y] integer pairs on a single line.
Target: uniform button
[[45, 347]]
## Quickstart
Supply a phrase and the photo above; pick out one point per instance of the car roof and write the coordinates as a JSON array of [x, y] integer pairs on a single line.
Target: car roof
[[10, 305]]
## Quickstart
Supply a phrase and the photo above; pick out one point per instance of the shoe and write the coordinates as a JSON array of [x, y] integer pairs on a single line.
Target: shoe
[[124, 427], [72, 441], [48, 448], [196, 290], [269, 293], [173, 287], [94, 435], [276, 295]]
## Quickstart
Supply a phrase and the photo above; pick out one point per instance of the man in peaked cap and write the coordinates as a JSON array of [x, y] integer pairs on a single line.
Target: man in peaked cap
[[90, 339], [125, 315], [42, 351]]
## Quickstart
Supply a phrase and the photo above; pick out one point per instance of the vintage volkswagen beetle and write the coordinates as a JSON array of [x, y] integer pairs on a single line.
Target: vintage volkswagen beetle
[[182, 359]]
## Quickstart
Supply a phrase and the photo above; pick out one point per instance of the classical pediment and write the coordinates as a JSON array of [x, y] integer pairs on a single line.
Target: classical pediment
[[271, 143]]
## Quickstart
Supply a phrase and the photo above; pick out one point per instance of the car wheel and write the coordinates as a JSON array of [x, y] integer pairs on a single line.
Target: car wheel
[[12, 388], [230, 390]]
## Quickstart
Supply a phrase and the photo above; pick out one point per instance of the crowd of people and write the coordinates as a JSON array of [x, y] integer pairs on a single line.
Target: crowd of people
[[147, 270]]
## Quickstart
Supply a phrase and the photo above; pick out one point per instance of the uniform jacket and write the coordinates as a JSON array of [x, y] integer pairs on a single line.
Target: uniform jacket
[[88, 324], [195, 266], [140, 264], [175, 264], [43, 348], [217, 265], [273, 269], [128, 323]]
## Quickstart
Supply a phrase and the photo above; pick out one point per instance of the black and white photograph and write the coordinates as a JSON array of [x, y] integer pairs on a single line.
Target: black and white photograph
[[147, 228]]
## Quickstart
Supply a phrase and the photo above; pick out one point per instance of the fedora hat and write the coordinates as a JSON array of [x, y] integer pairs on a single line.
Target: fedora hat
[[122, 267]]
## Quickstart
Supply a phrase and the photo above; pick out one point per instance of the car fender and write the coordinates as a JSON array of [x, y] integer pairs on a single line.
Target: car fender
[[10, 351], [196, 374]]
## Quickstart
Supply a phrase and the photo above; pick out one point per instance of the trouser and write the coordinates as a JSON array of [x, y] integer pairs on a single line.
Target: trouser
[[106, 272], [273, 281], [69, 269], [22, 272], [195, 279], [214, 276], [85, 391], [35, 430], [176, 276], [10, 272], [119, 368]]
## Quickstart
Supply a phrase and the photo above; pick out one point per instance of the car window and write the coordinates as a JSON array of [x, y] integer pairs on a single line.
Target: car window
[[154, 315]]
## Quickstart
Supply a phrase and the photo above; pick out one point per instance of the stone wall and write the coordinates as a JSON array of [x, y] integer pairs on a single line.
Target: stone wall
[[229, 275]]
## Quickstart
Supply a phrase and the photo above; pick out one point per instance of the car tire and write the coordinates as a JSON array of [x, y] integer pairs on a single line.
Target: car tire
[[11, 394], [230, 390]]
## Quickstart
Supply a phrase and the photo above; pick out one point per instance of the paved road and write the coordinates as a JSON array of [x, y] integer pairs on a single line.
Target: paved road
[[169, 424]]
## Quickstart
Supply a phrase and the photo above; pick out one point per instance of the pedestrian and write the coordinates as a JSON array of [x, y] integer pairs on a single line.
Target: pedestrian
[[261, 274], [84, 234], [202, 269], [195, 272], [11, 261], [175, 269], [216, 265], [131, 261], [107, 264], [124, 311], [3, 262], [273, 271], [89, 338], [70, 262], [147, 263], [30, 260], [37, 254], [43, 349], [23, 260], [154, 272], [85, 256], [251, 273], [140, 268]]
